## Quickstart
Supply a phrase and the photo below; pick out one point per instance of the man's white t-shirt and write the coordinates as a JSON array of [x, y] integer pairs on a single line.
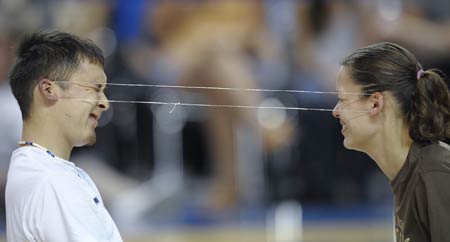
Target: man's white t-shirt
[[49, 199]]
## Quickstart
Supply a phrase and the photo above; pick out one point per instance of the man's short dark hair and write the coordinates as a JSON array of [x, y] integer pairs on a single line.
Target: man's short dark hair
[[52, 55]]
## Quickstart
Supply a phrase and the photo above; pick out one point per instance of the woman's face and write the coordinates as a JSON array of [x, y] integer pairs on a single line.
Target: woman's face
[[353, 112]]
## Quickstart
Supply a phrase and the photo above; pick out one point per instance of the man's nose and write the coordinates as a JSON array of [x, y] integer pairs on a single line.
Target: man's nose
[[103, 102]]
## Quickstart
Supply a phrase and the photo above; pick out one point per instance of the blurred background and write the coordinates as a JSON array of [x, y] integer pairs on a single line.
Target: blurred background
[[183, 173]]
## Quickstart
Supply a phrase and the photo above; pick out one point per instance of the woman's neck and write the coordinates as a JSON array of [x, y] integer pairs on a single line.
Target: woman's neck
[[390, 148]]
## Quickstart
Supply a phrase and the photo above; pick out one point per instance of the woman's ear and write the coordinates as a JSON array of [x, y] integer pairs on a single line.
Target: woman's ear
[[47, 90], [377, 101]]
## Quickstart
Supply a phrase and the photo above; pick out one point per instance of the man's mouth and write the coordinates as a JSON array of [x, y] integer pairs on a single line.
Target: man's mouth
[[94, 117]]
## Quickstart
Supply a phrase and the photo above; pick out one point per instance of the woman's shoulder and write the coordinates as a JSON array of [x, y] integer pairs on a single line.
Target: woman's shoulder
[[435, 156]]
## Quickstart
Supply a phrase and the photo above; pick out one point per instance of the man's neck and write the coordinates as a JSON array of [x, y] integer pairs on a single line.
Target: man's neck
[[37, 132]]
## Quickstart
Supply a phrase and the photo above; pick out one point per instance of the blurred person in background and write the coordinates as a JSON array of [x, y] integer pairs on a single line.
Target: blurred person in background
[[11, 122], [327, 31], [420, 25], [15, 17], [216, 44], [398, 113]]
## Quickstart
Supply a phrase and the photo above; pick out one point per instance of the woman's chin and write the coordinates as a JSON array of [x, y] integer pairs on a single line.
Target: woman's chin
[[348, 144]]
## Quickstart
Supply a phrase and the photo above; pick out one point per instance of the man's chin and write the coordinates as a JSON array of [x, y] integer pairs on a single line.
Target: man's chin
[[92, 139], [89, 141]]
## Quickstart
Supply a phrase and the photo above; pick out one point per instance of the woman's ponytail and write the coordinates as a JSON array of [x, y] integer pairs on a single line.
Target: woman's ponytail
[[429, 113]]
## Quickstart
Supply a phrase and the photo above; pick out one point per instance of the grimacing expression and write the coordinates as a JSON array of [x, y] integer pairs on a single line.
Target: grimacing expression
[[84, 102]]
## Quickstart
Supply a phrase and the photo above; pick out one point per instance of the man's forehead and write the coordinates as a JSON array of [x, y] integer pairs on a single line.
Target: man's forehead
[[92, 73]]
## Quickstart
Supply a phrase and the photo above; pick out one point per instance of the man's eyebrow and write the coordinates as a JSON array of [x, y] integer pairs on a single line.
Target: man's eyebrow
[[100, 85]]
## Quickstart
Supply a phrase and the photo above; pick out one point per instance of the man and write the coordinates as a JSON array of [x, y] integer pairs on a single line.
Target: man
[[58, 81]]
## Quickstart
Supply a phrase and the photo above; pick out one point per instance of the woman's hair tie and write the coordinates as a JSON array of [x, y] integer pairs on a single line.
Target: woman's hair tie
[[420, 74]]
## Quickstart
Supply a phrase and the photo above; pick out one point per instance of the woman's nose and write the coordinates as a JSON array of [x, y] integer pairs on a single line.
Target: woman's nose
[[336, 110]]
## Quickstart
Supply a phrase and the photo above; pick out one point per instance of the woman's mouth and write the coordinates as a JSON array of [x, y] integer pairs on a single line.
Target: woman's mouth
[[344, 128]]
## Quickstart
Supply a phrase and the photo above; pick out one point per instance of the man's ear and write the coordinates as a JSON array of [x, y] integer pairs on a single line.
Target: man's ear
[[377, 102], [47, 90]]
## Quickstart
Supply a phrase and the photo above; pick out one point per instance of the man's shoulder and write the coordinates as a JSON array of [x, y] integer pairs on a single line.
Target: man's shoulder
[[28, 166], [31, 171]]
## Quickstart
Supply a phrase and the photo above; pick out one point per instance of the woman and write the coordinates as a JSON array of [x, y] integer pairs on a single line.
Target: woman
[[398, 113]]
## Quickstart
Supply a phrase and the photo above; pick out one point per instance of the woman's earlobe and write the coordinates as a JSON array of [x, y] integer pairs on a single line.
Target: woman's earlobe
[[374, 109], [377, 103], [47, 90]]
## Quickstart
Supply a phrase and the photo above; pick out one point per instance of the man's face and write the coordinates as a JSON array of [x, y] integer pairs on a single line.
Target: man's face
[[352, 110], [83, 103]]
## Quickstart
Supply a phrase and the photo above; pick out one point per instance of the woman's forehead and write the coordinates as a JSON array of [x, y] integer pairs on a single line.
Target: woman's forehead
[[345, 82]]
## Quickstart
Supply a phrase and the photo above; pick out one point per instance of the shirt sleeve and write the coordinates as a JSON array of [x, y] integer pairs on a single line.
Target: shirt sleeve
[[60, 213], [437, 185]]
